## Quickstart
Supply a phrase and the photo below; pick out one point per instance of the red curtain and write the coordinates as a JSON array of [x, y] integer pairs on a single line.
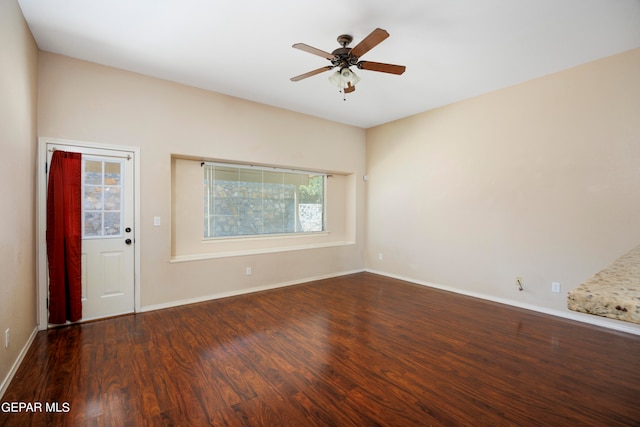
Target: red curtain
[[64, 237]]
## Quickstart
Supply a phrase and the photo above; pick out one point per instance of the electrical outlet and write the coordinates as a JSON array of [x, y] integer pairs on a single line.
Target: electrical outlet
[[248, 271], [555, 287], [6, 338]]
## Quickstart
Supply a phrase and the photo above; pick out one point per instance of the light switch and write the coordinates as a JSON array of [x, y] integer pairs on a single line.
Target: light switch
[[156, 221]]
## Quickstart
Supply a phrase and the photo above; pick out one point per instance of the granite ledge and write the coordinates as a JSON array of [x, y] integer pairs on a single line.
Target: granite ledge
[[613, 292]]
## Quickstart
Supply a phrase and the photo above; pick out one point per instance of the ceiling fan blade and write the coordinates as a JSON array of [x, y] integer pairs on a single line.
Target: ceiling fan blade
[[369, 42], [313, 50], [311, 73], [384, 68]]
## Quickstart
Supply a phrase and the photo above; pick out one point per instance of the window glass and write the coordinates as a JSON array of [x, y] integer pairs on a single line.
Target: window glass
[[250, 201], [102, 197]]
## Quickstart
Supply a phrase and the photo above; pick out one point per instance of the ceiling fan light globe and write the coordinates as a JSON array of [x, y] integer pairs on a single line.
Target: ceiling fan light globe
[[349, 78], [344, 79], [336, 79], [354, 78]]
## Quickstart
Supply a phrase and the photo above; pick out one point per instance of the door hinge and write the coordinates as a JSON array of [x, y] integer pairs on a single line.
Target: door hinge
[[47, 303], [46, 167]]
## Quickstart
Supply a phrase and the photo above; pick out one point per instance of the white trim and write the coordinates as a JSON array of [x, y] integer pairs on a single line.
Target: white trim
[[16, 364], [245, 291], [41, 198], [227, 254], [580, 317], [41, 230]]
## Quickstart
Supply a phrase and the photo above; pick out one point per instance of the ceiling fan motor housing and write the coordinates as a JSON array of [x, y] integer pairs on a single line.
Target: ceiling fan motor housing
[[342, 57]]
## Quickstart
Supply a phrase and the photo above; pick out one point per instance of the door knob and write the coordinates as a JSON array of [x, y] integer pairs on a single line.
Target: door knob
[[128, 241]]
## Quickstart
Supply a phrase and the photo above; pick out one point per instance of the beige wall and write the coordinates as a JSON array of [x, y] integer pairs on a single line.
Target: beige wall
[[88, 102], [18, 95], [539, 180]]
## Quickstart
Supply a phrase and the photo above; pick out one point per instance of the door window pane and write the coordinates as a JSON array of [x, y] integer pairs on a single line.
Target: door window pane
[[92, 224], [112, 224], [92, 197], [112, 198], [92, 172], [112, 173]]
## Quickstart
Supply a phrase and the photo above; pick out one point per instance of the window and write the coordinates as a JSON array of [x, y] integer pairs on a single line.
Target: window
[[102, 197], [251, 201]]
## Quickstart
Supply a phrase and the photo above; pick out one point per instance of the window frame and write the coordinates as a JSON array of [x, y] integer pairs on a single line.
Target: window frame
[[263, 168]]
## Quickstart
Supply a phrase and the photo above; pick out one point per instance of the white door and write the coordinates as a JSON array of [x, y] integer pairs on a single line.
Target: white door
[[107, 230]]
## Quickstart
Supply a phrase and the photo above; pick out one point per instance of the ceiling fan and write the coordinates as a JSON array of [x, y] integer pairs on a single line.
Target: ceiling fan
[[345, 57]]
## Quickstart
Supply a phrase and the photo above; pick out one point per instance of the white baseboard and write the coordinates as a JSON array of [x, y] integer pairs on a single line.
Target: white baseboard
[[244, 291], [580, 317], [17, 363]]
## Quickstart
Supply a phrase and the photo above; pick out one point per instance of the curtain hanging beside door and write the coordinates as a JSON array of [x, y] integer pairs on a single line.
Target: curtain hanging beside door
[[64, 237]]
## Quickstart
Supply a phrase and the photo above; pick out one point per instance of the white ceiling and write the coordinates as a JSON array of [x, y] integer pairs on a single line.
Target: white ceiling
[[453, 49]]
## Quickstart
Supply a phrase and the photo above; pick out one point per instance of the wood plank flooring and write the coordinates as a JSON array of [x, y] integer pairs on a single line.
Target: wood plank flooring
[[359, 350]]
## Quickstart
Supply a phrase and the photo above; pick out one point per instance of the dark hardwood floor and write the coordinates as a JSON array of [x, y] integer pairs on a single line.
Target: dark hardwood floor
[[359, 350]]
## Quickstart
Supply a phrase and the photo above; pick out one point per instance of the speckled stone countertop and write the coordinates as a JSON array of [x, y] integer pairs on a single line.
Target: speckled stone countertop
[[614, 292]]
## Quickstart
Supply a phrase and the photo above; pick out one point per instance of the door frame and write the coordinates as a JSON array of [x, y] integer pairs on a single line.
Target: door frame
[[42, 274]]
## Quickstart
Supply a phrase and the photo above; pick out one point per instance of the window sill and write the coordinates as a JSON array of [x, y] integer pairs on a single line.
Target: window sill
[[227, 254], [262, 237]]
